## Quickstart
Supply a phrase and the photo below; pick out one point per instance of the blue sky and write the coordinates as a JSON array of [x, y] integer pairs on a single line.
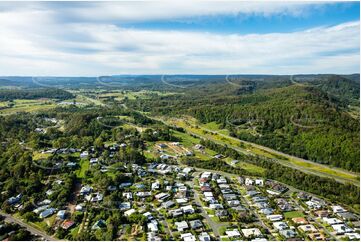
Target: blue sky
[[178, 37]]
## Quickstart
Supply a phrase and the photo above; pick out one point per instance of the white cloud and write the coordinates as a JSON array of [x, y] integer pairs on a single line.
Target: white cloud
[[36, 42]]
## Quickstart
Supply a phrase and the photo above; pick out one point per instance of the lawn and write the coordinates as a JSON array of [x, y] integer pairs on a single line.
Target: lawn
[[293, 214], [84, 166]]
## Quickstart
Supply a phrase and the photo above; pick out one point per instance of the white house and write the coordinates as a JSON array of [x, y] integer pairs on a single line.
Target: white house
[[181, 226], [253, 232], [274, 218]]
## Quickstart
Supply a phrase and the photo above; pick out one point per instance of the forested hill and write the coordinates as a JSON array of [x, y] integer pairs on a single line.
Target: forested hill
[[32, 93], [309, 119]]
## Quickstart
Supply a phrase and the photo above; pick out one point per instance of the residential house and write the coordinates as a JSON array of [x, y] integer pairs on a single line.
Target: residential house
[[47, 212], [181, 226], [195, 224], [232, 234], [188, 237], [251, 233]]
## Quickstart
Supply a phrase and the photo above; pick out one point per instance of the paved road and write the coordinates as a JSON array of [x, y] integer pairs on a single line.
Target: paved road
[[272, 151], [30, 228], [214, 225]]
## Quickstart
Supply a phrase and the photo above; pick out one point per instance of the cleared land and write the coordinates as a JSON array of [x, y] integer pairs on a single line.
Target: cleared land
[[191, 126]]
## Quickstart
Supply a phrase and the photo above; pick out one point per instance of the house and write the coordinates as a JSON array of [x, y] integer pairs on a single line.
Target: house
[[188, 209], [261, 205], [153, 226], [222, 180], [204, 236], [218, 156], [61, 214], [252, 193], [341, 228], [86, 190], [38, 210], [148, 215], [44, 202], [127, 195], [267, 211], [99, 224], [181, 226], [14, 200], [49, 192], [348, 216], [199, 147], [248, 181], [143, 194], [299, 220], [208, 194], [94, 197], [188, 237], [259, 182], [155, 185], [332, 221], [125, 184], [252, 232], [215, 206], [79, 208], [338, 209], [233, 203], [187, 170], [84, 154], [206, 189], [93, 161], [221, 213], [274, 218], [316, 236], [307, 228], [321, 213], [181, 200], [176, 212], [168, 204], [47, 212], [195, 224], [288, 233], [280, 225], [259, 199], [162, 196], [124, 206], [67, 224], [303, 196], [152, 236], [233, 233], [129, 212]]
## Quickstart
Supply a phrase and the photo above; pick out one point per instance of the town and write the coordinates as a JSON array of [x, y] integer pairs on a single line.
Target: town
[[164, 199]]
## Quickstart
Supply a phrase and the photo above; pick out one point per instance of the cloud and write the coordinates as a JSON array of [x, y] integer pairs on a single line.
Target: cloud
[[86, 41]]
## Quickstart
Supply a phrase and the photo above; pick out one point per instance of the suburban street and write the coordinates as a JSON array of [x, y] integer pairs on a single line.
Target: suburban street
[[30, 228]]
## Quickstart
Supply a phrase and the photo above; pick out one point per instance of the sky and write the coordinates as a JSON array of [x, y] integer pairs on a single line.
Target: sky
[[178, 37]]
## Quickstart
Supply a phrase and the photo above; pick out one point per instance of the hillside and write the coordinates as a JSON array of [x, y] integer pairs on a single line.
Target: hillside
[[308, 119]]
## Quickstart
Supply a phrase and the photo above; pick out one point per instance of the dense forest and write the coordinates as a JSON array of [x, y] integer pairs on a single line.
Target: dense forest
[[309, 119], [36, 93]]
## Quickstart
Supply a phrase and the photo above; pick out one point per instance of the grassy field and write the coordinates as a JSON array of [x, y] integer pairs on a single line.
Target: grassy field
[[24, 105], [190, 124], [84, 166], [293, 214]]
